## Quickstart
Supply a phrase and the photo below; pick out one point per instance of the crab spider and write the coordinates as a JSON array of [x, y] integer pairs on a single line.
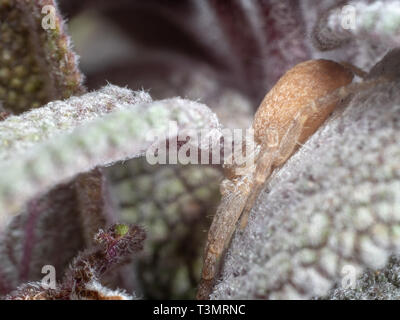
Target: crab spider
[[296, 107]]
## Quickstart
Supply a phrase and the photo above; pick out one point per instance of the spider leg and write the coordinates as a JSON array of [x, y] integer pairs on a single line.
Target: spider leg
[[271, 158], [365, 85], [220, 234], [345, 92], [356, 70], [263, 171], [291, 138]]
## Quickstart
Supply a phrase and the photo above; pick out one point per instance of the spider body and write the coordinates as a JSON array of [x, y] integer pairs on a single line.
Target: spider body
[[296, 89], [294, 109]]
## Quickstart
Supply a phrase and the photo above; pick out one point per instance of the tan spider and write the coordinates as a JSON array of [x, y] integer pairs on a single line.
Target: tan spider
[[296, 107]]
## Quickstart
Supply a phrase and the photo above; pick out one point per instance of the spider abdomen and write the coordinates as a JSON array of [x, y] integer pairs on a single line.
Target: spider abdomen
[[303, 85]]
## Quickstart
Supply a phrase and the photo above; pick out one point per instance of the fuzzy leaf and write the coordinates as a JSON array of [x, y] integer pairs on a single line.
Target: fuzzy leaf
[[34, 163], [36, 64], [358, 19]]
